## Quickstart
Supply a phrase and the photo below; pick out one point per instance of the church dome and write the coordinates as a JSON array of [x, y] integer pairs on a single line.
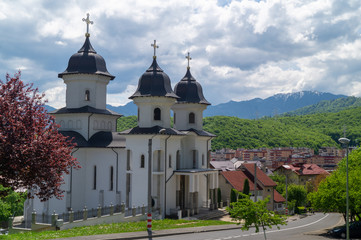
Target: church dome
[[86, 61], [189, 90], [154, 83]]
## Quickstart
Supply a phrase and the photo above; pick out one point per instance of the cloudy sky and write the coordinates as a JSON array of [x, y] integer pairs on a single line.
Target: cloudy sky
[[240, 49]]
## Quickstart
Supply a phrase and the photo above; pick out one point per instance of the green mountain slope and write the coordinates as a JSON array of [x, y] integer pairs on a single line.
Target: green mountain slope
[[313, 130], [335, 105]]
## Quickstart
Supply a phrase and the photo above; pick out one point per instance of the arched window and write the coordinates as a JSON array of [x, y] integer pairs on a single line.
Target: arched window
[[157, 114], [142, 161], [95, 177], [192, 118], [111, 178], [128, 160], [87, 95]]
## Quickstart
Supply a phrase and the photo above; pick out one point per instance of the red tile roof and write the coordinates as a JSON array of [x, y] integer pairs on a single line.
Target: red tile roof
[[237, 178], [261, 176], [306, 169], [278, 197]]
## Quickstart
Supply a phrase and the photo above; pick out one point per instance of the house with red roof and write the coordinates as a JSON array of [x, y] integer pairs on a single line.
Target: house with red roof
[[301, 173], [261, 186]]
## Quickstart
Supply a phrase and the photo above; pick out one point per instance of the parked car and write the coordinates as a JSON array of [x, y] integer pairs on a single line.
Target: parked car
[[355, 230]]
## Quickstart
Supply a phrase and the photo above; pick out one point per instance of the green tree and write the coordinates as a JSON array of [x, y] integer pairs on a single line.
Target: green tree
[[247, 213], [297, 193], [246, 187], [11, 203], [281, 182], [233, 195], [331, 193]]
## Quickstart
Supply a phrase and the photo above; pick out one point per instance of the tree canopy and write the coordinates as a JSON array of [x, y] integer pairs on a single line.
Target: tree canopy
[[33, 154], [248, 213], [331, 193]]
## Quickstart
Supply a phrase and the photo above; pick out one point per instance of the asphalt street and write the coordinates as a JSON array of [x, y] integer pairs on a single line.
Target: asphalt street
[[307, 228]]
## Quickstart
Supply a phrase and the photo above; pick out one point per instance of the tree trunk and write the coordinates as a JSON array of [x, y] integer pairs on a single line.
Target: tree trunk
[[264, 232]]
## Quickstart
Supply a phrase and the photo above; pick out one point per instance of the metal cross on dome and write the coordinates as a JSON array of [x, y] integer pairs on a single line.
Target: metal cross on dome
[[188, 58], [87, 21], [155, 46]]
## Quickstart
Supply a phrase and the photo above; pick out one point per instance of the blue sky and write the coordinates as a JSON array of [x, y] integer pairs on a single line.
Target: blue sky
[[240, 49]]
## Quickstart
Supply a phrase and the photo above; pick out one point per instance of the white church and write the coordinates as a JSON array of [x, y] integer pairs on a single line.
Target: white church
[[116, 166]]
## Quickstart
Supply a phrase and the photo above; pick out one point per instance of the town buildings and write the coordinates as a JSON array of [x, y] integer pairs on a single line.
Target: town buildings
[[327, 157]]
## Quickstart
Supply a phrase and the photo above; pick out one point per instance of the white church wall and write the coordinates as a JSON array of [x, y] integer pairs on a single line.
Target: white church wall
[[78, 84], [146, 108], [171, 194], [98, 192], [182, 112]]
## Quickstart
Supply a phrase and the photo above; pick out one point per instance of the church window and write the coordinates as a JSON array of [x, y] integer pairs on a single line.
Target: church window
[[157, 114], [111, 178], [170, 161], [128, 160], [192, 118], [95, 177], [87, 95], [194, 153], [127, 191], [142, 161]]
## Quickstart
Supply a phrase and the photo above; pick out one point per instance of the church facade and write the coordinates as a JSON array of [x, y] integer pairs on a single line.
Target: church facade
[[116, 166]]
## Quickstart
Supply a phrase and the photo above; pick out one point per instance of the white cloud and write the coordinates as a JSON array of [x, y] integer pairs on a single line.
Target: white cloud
[[122, 98], [247, 49]]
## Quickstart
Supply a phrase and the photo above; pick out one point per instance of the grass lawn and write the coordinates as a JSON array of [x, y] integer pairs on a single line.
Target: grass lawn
[[114, 228]]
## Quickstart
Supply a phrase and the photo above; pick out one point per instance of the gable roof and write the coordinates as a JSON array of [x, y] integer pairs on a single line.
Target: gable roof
[[222, 165], [261, 176], [305, 169], [237, 178], [277, 197]]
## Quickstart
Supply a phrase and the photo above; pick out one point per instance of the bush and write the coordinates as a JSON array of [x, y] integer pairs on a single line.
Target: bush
[[11, 203]]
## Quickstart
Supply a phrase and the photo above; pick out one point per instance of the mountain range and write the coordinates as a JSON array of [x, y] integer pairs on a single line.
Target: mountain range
[[255, 108], [295, 103]]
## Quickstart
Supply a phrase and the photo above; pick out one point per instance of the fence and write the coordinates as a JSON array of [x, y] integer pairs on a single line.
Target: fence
[[85, 217]]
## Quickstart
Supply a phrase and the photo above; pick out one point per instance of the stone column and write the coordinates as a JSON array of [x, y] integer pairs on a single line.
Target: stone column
[[85, 214]]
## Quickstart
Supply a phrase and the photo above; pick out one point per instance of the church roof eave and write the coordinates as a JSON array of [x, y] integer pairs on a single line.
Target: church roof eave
[[85, 109]]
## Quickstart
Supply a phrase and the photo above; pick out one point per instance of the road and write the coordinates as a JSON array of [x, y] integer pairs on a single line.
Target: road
[[302, 229]]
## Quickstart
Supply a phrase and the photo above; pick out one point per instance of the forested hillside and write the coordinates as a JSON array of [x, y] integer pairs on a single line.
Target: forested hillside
[[335, 105], [313, 130]]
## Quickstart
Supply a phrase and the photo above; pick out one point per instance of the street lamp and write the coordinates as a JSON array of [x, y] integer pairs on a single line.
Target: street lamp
[[345, 141]]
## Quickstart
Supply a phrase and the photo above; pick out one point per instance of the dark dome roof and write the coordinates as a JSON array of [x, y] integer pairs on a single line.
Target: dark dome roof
[[86, 60], [189, 90], [154, 83]]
